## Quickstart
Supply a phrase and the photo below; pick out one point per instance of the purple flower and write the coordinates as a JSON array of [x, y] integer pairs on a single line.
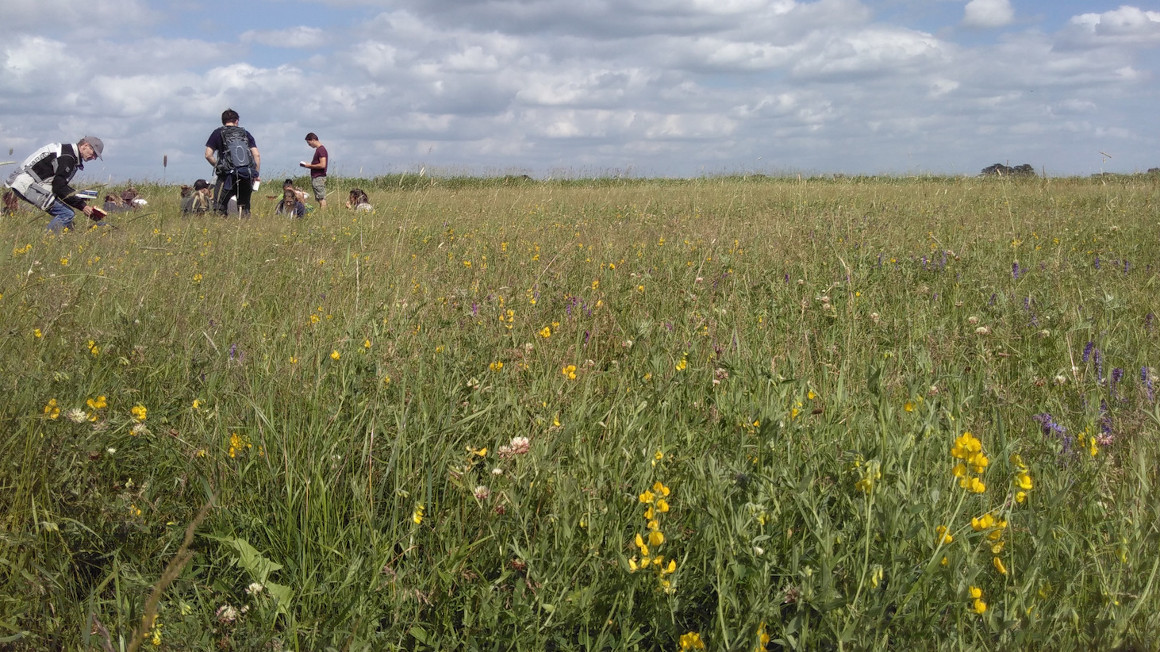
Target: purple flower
[[1087, 350], [474, 309], [1098, 359], [1015, 270], [1050, 427], [1146, 378], [1097, 262]]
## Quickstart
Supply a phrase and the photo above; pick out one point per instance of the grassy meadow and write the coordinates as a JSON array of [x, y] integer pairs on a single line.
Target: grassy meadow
[[740, 413]]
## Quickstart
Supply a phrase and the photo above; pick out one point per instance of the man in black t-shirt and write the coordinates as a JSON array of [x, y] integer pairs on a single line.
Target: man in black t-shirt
[[233, 177]]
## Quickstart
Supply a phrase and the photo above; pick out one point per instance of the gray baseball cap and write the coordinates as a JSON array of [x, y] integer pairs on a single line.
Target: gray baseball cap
[[97, 144]]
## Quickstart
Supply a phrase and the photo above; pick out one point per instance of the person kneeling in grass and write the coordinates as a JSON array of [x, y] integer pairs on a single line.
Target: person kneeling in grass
[[290, 205]]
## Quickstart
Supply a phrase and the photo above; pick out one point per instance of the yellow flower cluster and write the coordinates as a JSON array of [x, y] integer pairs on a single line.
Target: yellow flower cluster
[[977, 604], [569, 371], [871, 474], [139, 412], [692, 641], [238, 444], [656, 503], [994, 528], [1022, 480], [417, 515], [969, 450], [52, 410]]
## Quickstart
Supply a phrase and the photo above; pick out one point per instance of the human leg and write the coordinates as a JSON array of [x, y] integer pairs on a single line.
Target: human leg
[[319, 186], [245, 191], [222, 191], [62, 216]]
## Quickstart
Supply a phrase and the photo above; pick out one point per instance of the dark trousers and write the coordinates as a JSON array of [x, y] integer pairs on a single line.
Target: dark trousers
[[229, 185]]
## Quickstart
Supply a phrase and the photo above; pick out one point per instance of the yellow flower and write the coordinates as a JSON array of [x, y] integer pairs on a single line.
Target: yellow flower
[[1023, 480], [98, 404], [960, 470], [660, 488], [293, 360], [692, 641], [662, 505], [943, 537], [978, 462], [647, 497], [37, 334], [386, 380], [908, 406], [984, 522], [139, 412], [683, 364], [366, 344], [632, 566], [656, 538], [334, 355], [1020, 497], [495, 366], [569, 371], [978, 606], [196, 404], [51, 409], [545, 332], [998, 563], [974, 485], [417, 515]]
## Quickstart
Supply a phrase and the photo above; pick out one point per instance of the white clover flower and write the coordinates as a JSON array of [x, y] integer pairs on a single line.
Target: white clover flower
[[482, 493], [254, 588], [972, 320], [76, 415], [983, 330]]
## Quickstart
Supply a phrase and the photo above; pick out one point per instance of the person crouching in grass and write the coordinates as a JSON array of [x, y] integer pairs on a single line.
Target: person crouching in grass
[[290, 206]]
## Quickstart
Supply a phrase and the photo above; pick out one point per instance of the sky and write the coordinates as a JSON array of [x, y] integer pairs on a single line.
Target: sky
[[579, 88]]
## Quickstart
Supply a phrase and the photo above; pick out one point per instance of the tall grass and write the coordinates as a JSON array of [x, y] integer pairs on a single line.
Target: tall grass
[[793, 361]]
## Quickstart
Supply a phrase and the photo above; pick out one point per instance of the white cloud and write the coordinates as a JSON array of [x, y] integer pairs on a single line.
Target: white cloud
[[988, 13], [291, 37], [1125, 26]]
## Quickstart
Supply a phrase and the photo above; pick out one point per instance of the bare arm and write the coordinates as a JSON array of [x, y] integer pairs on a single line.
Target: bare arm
[[257, 161], [209, 156]]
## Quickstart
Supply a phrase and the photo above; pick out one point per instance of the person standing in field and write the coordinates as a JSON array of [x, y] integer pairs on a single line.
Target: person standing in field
[[233, 153], [317, 167], [43, 180]]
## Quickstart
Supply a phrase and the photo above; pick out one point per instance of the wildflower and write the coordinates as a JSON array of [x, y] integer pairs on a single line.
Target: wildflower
[[386, 379], [139, 412], [908, 406], [545, 332], [99, 403], [984, 522], [335, 355], [495, 366], [974, 485], [139, 429], [683, 364], [51, 409], [238, 444], [691, 641], [481, 493], [417, 515], [569, 371], [156, 639], [254, 588], [998, 563], [660, 488], [943, 537], [36, 333], [656, 538], [77, 415], [647, 497], [662, 505], [226, 614], [93, 348], [367, 344], [1023, 480]]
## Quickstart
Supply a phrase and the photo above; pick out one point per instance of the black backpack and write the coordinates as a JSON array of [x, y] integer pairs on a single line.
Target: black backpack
[[236, 156]]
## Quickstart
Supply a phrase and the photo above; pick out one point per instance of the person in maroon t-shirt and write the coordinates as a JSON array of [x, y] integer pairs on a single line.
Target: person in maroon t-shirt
[[317, 167]]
